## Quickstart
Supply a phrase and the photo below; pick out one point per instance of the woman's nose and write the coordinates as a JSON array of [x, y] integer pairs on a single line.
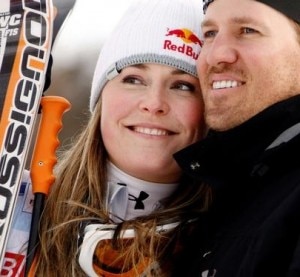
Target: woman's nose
[[155, 102]]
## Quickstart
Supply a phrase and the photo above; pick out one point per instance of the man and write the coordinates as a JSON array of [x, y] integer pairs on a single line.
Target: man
[[249, 70]]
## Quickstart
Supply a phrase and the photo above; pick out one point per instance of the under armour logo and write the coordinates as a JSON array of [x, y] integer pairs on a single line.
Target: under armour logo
[[195, 165], [209, 273], [139, 205]]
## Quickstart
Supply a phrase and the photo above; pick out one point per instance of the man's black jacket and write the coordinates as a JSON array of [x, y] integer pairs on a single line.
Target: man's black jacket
[[252, 228]]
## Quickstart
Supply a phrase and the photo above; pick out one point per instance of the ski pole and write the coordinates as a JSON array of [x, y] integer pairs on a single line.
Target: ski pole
[[43, 161]]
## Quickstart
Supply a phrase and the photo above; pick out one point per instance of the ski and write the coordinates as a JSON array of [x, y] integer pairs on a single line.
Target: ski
[[26, 28]]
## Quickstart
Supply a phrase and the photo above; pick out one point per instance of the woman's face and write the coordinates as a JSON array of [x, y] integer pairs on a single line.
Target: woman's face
[[149, 112]]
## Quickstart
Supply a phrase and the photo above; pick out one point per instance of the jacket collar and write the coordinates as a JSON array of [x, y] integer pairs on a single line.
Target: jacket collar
[[230, 155]]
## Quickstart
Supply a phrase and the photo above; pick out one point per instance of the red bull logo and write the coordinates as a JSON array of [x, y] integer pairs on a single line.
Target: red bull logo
[[188, 37]]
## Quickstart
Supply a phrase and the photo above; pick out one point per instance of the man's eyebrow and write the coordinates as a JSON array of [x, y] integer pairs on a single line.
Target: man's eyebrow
[[207, 22], [244, 20], [236, 20]]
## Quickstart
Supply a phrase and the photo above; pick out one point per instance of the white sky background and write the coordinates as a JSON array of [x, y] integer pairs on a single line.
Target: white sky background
[[75, 52], [87, 26]]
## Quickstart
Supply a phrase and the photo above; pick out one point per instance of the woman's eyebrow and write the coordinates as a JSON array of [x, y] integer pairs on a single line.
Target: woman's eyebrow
[[179, 72], [145, 66]]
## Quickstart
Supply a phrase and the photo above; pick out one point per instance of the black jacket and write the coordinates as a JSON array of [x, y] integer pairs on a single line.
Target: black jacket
[[253, 226]]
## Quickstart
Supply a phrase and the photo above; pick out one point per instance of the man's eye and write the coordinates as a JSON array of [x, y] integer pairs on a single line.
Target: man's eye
[[247, 30], [209, 34]]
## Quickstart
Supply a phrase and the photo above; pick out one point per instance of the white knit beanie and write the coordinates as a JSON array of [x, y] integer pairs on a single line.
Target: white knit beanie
[[166, 32]]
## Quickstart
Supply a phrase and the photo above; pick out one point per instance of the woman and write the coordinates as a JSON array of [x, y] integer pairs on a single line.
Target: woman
[[119, 206]]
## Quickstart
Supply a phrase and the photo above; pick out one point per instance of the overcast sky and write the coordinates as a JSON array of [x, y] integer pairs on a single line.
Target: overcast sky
[[87, 26]]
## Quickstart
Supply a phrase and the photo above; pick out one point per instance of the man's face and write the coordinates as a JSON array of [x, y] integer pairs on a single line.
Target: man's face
[[249, 61]]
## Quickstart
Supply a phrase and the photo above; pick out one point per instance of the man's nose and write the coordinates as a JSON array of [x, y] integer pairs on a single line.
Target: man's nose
[[221, 50]]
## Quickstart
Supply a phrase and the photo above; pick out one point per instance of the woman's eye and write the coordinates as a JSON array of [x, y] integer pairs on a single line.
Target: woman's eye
[[132, 80], [184, 86]]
